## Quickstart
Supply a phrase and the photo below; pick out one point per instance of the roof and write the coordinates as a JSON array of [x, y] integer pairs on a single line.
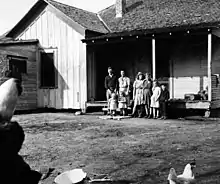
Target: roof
[[3, 36], [12, 41], [86, 19], [156, 14], [142, 16], [10, 53]]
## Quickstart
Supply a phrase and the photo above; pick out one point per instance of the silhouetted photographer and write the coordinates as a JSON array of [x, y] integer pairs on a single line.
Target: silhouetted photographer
[[13, 168]]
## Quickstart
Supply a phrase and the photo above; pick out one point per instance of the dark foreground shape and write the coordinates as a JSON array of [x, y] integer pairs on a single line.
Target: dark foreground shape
[[13, 168]]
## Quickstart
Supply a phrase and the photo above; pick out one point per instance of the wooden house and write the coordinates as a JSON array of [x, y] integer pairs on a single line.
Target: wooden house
[[60, 56], [177, 41]]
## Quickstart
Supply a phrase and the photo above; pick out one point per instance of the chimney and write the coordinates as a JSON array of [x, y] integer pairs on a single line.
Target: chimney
[[120, 7]]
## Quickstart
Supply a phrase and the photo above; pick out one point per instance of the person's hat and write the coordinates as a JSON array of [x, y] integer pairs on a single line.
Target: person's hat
[[70, 177], [140, 73]]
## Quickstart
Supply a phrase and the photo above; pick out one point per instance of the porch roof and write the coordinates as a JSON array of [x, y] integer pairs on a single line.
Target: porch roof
[[194, 29]]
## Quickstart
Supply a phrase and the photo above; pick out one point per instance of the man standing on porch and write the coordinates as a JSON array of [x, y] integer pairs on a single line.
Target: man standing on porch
[[111, 84], [124, 85]]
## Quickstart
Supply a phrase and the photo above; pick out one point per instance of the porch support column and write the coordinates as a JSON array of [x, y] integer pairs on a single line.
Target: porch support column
[[210, 66], [154, 58]]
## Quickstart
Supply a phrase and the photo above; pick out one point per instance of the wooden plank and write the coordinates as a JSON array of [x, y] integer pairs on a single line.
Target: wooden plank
[[83, 73], [70, 67], [58, 65], [76, 70], [66, 66], [44, 30], [190, 105], [39, 30], [63, 74], [198, 105], [67, 20], [209, 66]]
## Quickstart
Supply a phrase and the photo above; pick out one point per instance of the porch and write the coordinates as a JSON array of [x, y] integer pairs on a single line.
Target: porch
[[186, 62]]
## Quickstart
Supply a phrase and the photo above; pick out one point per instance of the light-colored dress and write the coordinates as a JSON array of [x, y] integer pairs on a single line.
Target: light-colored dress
[[155, 97], [139, 95], [122, 103], [112, 104]]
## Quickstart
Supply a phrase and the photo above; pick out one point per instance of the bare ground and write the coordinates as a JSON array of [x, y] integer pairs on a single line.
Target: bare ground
[[135, 150]]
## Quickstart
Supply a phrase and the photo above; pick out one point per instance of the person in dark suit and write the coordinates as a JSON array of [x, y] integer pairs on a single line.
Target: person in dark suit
[[111, 84], [164, 97]]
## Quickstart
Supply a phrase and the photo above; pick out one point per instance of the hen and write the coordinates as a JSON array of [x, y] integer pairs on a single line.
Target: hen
[[187, 177]]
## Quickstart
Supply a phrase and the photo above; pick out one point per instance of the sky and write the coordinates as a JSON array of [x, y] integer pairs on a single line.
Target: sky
[[11, 11]]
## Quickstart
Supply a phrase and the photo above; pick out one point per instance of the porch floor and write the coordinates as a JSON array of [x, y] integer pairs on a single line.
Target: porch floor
[[189, 104]]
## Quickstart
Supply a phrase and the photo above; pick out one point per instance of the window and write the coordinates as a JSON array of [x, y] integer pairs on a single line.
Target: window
[[17, 66], [48, 70]]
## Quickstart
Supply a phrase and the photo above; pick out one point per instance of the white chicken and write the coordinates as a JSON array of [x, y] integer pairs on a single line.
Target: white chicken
[[187, 177], [10, 90]]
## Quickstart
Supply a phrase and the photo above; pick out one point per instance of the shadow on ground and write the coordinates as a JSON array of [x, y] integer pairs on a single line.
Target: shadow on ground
[[48, 127]]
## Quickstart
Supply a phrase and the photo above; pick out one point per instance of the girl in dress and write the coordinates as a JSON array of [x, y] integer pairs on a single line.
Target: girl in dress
[[155, 105], [113, 104], [138, 93], [122, 103]]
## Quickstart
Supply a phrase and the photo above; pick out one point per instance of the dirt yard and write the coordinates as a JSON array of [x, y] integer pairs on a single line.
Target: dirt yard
[[134, 150]]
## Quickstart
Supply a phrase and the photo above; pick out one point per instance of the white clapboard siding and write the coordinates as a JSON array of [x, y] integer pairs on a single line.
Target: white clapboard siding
[[53, 32]]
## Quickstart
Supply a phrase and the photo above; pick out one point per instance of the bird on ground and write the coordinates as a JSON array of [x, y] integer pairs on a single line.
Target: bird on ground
[[187, 177], [10, 91]]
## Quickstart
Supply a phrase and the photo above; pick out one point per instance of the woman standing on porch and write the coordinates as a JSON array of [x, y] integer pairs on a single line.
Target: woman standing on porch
[[138, 93], [147, 93]]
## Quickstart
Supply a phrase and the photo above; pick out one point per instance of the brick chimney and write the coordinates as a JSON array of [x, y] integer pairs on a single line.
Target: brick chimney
[[120, 7]]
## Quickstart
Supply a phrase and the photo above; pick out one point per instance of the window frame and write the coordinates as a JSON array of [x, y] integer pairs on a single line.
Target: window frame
[[18, 58], [48, 50]]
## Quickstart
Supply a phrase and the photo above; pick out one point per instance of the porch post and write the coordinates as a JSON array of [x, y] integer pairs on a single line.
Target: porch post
[[209, 66], [154, 58]]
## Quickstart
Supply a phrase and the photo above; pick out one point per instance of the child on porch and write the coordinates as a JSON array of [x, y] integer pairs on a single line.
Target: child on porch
[[122, 103], [155, 105], [113, 104], [164, 97]]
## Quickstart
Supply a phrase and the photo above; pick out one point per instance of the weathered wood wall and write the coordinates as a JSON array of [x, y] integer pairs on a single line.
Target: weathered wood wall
[[54, 30], [188, 66], [28, 99]]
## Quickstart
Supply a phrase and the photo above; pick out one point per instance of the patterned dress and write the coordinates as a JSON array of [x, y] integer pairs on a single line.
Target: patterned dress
[[139, 95], [147, 92], [122, 103], [112, 104]]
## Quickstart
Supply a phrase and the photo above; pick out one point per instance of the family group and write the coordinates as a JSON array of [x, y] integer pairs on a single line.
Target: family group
[[149, 97]]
